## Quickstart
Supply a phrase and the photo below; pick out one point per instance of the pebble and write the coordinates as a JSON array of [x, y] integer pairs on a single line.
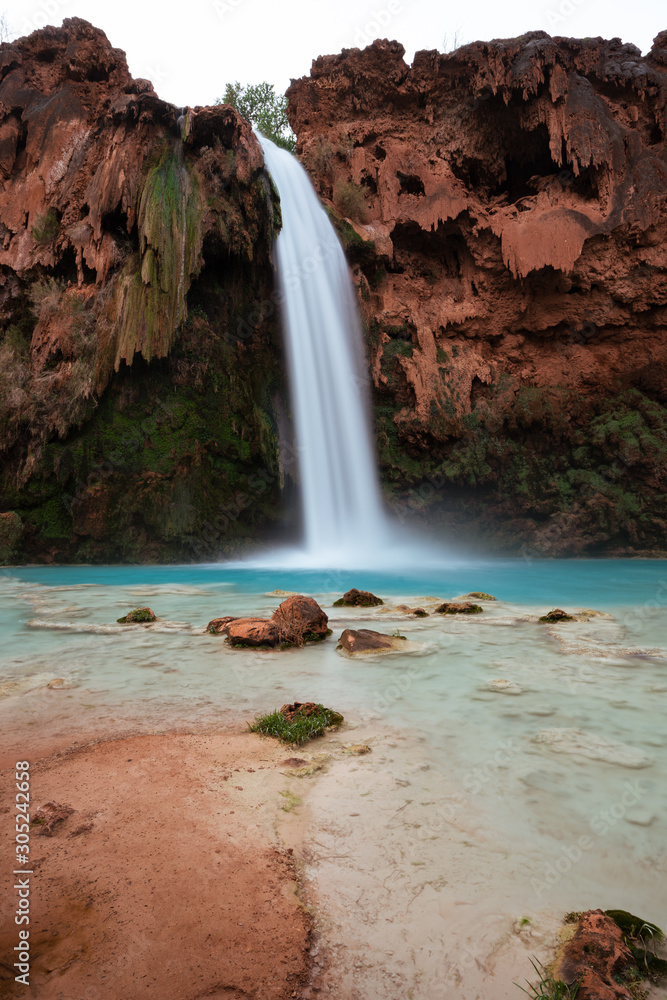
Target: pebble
[[502, 686], [640, 817]]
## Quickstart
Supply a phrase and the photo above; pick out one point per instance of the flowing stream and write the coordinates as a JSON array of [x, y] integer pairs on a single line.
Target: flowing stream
[[342, 509]]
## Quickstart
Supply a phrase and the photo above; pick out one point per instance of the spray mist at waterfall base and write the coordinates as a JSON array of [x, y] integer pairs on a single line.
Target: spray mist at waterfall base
[[397, 550]]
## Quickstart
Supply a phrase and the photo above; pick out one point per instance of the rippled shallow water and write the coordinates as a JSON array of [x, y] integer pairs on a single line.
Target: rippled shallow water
[[525, 737]]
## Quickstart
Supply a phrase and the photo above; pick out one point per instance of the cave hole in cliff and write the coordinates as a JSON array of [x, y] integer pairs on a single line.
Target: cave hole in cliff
[[472, 171], [410, 184], [584, 184], [430, 254], [47, 54], [380, 152], [207, 288], [655, 135], [366, 141], [65, 269], [17, 163], [479, 391], [369, 183], [115, 223], [530, 157], [220, 293]]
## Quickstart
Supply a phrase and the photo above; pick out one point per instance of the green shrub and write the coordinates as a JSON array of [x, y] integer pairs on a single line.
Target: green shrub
[[46, 228], [349, 200], [16, 340], [300, 729], [262, 107], [321, 157]]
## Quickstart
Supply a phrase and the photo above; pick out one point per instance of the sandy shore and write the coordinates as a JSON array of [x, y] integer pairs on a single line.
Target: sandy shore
[[227, 866], [168, 880]]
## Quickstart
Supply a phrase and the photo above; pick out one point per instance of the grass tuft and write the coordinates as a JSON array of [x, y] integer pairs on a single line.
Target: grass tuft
[[548, 987], [291, 801], [300, 729]]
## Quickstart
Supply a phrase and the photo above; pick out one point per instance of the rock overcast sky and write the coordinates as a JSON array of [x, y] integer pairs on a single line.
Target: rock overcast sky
[[191, 50]]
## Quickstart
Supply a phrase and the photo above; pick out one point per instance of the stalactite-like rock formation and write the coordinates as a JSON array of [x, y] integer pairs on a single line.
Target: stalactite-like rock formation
[[138, 401], [505, 206]]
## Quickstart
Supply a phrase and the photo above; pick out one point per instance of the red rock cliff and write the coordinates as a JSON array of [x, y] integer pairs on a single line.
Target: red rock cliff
[[134, 241], [505, 207]]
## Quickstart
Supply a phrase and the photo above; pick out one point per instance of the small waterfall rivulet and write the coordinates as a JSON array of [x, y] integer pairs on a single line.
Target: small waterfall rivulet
[[344, 519]]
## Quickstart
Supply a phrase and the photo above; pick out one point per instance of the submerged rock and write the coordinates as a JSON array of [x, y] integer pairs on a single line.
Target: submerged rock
[[301, 619], [502, 686], [456, 608], [594, 747], [358, 599], [252, 632], [557, 615], [365, 640], [49, 815], [481, 596], [138, 617]]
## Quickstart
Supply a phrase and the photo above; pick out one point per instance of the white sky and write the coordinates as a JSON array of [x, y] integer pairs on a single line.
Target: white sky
[[191, 50]]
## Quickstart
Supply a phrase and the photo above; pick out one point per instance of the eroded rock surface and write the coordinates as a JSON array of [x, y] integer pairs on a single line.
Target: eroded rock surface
[[252, 632], [301, 617], [598, 957], [138, 377], [458, 608], [504, 208], [358, 599], [300, 708], [366, 640], [557, 615], [217, 625]]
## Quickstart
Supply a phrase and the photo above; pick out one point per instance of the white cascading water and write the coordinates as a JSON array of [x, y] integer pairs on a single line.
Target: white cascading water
[[344, 519]]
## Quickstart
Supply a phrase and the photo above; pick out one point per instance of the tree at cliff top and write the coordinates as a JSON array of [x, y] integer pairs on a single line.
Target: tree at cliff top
[[264, 109]]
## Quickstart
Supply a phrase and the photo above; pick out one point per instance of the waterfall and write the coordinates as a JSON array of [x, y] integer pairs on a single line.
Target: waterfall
[[344, 522]]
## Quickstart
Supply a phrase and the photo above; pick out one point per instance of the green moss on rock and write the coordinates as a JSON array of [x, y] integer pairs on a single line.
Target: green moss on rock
[[11, 533], [151, 292]]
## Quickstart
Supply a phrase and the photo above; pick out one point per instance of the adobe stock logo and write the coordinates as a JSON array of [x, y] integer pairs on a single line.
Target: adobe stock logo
[[47, 12], [375, 27], [561, 12]]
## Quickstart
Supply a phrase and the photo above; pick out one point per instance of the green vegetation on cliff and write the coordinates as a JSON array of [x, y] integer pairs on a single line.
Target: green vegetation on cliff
[[152, 290], [262, 107], [541, 469], [174, 455], [179, 460]]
